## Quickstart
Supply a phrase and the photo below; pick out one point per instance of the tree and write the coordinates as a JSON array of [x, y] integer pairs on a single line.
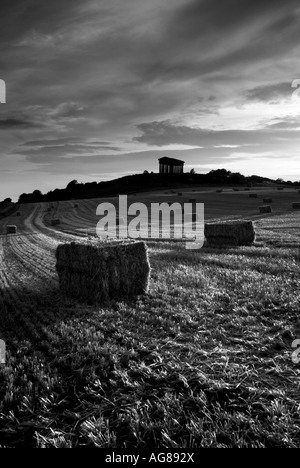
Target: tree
[[72, 184]]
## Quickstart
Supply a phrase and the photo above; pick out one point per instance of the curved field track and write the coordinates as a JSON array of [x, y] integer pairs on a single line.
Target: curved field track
[[203, 360]]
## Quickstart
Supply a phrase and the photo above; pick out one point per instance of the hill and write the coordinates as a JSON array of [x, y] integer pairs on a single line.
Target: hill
[[146, 182]]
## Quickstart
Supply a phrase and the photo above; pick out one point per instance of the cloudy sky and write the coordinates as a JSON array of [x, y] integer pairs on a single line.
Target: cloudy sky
[[97, 89]]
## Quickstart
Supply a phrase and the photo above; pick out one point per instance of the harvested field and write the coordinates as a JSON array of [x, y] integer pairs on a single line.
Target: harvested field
[[209, 345]]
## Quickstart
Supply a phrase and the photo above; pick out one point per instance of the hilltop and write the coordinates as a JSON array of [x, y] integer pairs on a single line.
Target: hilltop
[[148, 181]]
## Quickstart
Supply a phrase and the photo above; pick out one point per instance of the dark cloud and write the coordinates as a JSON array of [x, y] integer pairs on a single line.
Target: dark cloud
[[47, 154], [63, 141], [52, 142], [165, 133], [14, 123], [24, 15], [289, 123], [213, 16], [270, 93]]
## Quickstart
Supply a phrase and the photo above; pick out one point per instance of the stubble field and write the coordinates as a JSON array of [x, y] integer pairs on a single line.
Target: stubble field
[[202, 360]]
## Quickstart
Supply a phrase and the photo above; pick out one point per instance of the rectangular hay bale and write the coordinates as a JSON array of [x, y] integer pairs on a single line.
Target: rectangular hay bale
[[11, 229], [98, 271], [265, 209], [230, 233], [55, 222]]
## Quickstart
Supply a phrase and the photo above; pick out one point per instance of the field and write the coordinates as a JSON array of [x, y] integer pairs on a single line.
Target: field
[[203, 360]]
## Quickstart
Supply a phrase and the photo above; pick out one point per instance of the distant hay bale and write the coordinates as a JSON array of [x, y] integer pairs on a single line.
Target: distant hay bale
[[267, 200], [296, 206], [230, 233], [11, 229], [252, 195], [55, 222], [265, 209], [98, 271]]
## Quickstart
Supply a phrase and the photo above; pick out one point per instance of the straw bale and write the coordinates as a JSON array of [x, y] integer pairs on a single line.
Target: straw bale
[[230, 233], [99, 271]]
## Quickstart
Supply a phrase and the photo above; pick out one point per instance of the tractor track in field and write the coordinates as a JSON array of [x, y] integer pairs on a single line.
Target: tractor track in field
[[33, 259]]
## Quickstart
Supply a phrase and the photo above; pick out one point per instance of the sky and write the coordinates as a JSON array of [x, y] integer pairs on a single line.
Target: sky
[[98, 89]]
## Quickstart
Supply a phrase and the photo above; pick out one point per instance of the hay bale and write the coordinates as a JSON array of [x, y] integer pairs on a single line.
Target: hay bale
[[11, 229], [55, 222], [230, 233], [296, 206], [265, 209], [252, 195], [267, 200], [98, 271]]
